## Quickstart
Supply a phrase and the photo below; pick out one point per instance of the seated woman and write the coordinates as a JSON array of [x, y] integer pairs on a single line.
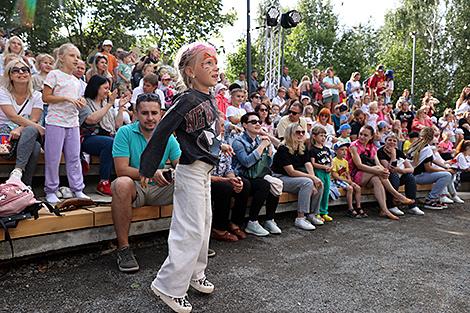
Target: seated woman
[[425, 173], [98, 124], [401, 173], [292, 165], [99, 67], [366, 171], [225, 186], [20, 111], [267, 127], [253, 157]]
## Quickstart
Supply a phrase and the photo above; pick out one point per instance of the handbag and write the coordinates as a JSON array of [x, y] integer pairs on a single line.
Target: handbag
[[366, 160], [260, 168], [327, 93]]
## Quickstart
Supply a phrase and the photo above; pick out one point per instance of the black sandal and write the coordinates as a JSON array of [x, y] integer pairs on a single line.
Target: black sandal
[[362, 213], [352, 213]]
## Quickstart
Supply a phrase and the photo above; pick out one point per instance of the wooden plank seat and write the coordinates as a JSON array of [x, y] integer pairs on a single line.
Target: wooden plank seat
[[101, 216]]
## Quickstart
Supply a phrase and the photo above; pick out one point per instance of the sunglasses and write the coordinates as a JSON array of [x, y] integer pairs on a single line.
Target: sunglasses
[[17, 70], [254, 122], [293, 112], [256, 97], [300, 132], [263, 110], [324, 115]]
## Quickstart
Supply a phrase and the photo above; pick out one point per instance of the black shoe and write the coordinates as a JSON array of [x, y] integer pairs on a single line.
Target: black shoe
[[126, 260], [210, 253]]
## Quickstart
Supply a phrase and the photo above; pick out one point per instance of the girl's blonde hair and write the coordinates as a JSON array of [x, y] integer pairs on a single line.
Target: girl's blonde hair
[[374, 105], [44, 56], [290, 142], [185, 57], [8, 84], [61, 52], [426, 136], [7, 46]]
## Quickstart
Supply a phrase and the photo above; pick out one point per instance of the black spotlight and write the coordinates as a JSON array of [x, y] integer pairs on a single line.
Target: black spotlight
[[290, 19], [272, 16]]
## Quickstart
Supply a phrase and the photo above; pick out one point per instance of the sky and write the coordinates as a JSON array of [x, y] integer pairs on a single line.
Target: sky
[[350, 12]]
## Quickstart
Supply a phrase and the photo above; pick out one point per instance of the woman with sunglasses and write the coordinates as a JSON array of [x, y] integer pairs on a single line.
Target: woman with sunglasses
[[20, 111], [252, 160], [292, 165], [366, 171], [98, 125], [401, 173], [267, 126], [294, 116], [324, 120]]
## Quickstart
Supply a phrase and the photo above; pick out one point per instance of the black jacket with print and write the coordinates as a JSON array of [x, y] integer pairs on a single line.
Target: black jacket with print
[[194, 118]]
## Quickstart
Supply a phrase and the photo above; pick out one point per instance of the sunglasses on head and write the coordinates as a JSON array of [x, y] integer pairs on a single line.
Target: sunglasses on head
[[254, 122], [148, 97], [17, 70], [300, 132], [293, 112]]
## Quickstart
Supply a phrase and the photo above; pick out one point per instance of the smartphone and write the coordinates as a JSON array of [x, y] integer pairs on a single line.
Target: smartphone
[[168, 175], [394, 163]]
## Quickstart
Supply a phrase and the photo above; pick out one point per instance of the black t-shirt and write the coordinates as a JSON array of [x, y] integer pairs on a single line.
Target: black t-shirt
[[194, 118], [320, 155], [355, 128], [466, 132], [406, 116], [283, 158], [420, 168], [382, 155]]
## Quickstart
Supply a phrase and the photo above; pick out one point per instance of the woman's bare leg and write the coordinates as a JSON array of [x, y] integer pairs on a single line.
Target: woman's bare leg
[[379, 192]]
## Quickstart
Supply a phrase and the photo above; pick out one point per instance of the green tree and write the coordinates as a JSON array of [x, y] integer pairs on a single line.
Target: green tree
[[236, 62]]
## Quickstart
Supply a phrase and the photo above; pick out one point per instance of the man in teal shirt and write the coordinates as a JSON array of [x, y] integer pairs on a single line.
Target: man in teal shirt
[[129, 143]]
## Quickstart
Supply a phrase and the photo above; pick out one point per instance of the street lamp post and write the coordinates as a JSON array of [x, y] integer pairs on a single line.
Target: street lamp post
[[248, 45], [413, 35]]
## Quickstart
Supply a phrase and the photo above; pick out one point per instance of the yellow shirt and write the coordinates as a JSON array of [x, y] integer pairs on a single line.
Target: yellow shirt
[[406, 146], [340, 167]]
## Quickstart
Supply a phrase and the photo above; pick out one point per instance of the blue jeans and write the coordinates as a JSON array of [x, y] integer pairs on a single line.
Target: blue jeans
[[440, 181], [101, 146]]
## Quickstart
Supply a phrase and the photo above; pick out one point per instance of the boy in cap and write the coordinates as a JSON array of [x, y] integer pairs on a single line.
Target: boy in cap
[[344, 132], [342, 180]]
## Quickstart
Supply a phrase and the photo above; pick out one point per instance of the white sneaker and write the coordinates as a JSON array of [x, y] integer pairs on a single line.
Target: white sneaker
[[416, 211], [81, 195], [303, 223], [254, 228], [52, 198], [314, 220], [179, 305], [457, 199], [202, 285], [16, 174], [66, 192], [271, 226], [446, 200], [396, 211]]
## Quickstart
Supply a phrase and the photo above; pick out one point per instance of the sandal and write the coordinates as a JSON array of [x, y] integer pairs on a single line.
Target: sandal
[[362, 213], [226, 236], [237, 232], [352, 213]]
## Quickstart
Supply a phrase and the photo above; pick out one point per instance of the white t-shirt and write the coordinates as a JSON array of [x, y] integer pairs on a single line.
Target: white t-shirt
[[278, 100], [464, 107], [63, 114], [6, 99], [233, 111], [358, 93], [140, 90]]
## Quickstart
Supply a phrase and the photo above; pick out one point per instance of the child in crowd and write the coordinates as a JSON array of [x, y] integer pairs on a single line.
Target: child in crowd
[[344, 133], [366, 104], [147, 69], [62, 93], [124, 69], [445, 147], [342, 180], [321, 160], [461, 163], [373, 117], [194, 118], [382, 130], [124, 93], [167, 90], [412, 137], [45, 65], [234, 114]]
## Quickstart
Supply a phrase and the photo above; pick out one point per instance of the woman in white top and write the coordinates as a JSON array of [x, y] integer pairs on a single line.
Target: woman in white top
[[20, 111], [354, 88]]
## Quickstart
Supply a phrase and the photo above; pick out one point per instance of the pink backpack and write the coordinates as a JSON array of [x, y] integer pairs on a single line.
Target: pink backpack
[[14, 197]]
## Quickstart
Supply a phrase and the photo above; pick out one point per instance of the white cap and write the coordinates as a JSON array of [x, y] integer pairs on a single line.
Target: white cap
[[107, 42]]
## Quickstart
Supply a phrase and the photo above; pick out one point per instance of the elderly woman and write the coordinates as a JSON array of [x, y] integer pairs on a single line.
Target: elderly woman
[[98, 126], [366, 171], [20, 111], [401, 173], [99, 67], [253, 158], [292, 165], [13, 46]]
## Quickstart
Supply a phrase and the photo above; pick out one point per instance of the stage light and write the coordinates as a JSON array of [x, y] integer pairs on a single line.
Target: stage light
[[290, 19], [272, 16]]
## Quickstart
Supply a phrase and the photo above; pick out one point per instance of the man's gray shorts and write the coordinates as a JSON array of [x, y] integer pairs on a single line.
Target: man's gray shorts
[[153, 195]]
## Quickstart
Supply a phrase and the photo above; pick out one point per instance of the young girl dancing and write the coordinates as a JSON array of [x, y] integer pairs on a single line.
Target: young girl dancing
[[195, 119], [62, 93]]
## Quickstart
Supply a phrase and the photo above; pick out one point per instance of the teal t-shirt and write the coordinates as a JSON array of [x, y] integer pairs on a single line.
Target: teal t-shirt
[[129, 142]]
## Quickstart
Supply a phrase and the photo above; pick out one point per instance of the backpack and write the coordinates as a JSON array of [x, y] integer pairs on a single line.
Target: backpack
[[17, 202]]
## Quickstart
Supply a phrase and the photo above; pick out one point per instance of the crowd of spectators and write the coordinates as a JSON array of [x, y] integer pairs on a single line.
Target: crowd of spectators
[[313, 138]]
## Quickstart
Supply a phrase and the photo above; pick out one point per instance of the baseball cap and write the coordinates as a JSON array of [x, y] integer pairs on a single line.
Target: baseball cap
[[344, 127], [218, 87], [304, 97], [107, 42], [338, 145]]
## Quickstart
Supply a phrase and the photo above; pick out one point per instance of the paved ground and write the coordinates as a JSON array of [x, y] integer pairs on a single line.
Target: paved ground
[[419, 264]]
